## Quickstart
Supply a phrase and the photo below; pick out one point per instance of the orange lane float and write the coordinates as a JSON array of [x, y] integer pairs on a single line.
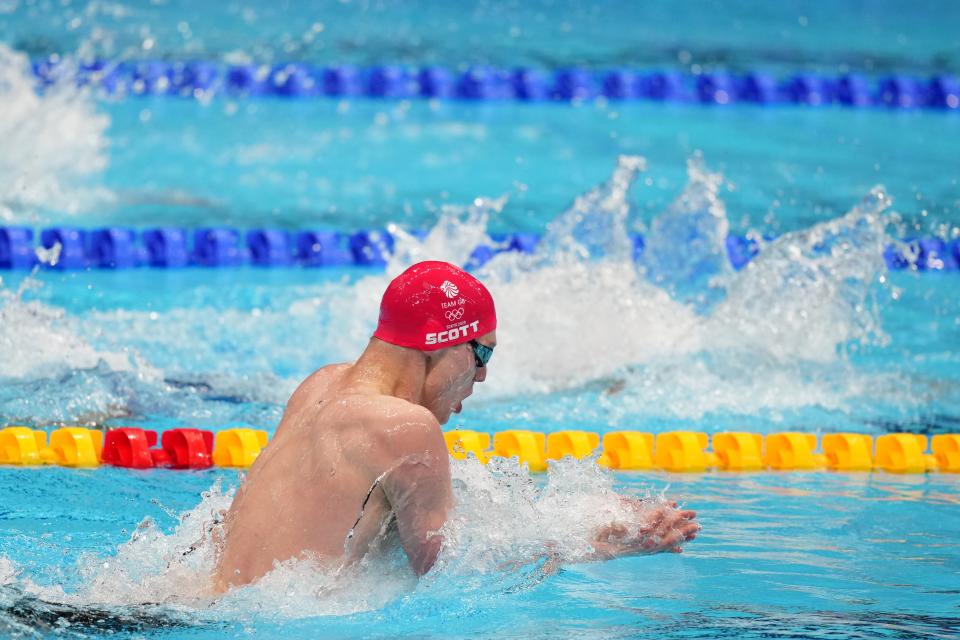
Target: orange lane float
[[946, 451], [792, 451], [683, 451], [627, 451], [578, 444], [461, 443], [238, 447], [24, 446], [903, 453], [527, 446], [738, 451], [76, 447], [848, 451]]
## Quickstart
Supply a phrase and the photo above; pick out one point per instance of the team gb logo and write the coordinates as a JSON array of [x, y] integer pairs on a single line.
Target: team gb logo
[[449, 289]]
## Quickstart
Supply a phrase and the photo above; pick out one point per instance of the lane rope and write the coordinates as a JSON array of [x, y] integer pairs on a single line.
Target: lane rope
[[71, 248], [674, 451], [198, 79]]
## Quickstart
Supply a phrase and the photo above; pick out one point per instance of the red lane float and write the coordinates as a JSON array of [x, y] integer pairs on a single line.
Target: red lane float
[[180, 448], [188, 448]]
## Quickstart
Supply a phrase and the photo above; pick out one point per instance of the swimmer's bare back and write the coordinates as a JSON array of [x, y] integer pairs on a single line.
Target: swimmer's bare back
[[341, 449]]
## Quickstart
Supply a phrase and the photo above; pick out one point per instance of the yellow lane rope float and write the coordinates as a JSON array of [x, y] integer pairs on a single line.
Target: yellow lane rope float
[[674, 451]]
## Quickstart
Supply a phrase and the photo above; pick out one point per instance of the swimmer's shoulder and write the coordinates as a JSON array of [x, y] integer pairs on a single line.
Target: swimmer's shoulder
[[324, 375], [310, 395], [376, 412], [392, 426], [314, 388]]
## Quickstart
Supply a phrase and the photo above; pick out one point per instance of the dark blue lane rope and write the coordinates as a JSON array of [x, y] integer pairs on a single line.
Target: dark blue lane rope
[[481, 83], [172, 247]]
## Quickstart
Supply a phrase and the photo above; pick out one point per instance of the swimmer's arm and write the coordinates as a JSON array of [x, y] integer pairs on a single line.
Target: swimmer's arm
[[417, 485], [661, 528], [652, 529]]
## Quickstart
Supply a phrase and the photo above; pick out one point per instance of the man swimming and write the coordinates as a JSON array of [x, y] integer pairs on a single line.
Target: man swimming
[[361, 443]]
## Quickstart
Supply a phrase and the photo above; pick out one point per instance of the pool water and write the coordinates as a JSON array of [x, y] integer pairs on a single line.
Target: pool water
[[786, 555], [814, 335]]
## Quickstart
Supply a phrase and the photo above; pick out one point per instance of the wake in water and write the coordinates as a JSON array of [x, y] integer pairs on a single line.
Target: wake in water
[[587, 332], [680, 335], [58, 370], [677, 335], [506, 533], [52, 142]]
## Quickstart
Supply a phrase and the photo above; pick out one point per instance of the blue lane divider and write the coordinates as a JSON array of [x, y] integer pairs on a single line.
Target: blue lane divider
[[114, 248], [371, 248], [219, 248], [297, 80], [16, 248], [270, 247], [171, 247], [166, 247], [322, 249], [73, 254]]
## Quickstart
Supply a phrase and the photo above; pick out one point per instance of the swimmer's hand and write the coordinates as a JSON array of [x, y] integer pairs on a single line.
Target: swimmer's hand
[[661, 528]]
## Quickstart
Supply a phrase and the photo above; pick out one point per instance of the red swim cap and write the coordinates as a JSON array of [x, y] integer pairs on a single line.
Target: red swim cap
[[433, 305]]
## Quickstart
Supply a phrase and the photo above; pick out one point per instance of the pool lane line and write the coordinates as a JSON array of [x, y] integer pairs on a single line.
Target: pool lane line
[[174, 247], [294, 80], [672, 451]]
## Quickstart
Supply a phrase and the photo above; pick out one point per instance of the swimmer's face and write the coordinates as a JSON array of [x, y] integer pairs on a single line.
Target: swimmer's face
[[451, 373]]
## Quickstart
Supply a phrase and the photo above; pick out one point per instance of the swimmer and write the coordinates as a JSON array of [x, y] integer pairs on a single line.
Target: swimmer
[[360, 445]]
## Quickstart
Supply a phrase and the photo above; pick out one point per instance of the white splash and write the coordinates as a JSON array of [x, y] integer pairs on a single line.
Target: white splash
[[171, 570], [503, 519], [42, 341], [684, 335], [567, 324], [595, 226], [807, 294], [52, 143], [500, 527], [685, 250], [577, 315], [452, 239]]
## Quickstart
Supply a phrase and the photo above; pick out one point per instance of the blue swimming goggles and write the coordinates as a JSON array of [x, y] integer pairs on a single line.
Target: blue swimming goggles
[[481, 353]]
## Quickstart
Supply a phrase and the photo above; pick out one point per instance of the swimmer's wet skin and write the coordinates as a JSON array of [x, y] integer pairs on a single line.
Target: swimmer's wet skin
[[360, 445]]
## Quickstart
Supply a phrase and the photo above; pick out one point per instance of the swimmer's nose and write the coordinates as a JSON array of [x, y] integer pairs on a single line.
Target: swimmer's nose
[[481, 374]]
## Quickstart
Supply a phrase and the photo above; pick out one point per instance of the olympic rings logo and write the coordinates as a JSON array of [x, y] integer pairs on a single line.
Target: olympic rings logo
[[456, 314]]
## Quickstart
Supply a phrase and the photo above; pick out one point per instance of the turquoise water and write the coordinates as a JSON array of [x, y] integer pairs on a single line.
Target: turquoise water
[[876, 35], [281, 163], [815, 335], [784, 555]]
